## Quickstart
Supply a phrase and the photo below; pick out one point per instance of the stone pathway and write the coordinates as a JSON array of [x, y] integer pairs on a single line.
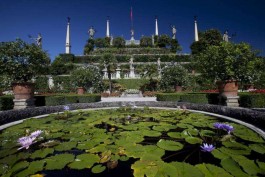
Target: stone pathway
[[127, 99]]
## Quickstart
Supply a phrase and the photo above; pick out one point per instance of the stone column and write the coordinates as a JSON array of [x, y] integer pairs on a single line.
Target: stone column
[[118, 72]]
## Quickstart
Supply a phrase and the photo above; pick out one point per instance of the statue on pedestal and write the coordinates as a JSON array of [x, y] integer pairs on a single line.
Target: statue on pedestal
[[91, 32], [131, 63], [226, 37], [174, 31], [38, 40], [158, 64]]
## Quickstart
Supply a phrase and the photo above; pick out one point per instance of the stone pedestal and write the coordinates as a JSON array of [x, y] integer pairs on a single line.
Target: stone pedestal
[[118, 73], [105, 72], [132, 74], [232, 101], [23, 103]]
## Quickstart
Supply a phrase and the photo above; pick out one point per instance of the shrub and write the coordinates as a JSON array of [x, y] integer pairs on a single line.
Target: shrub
[[248, 100], [6, 103], [149, 94], [194, 98], [54, 100], [169, 96], [89, 98], [41, 84]]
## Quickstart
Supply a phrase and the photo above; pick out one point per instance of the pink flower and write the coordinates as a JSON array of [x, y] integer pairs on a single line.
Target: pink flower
[[25, 142]]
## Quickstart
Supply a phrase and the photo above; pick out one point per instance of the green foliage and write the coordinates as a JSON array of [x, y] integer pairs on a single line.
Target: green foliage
[[89, 47], [102, 42], [169, 145], [168, 96], [67, 57], [173, 76], [119, 42], [163, 41], [131, 83], [6, 103], [174, 46], [248, 100], [194, 98], [62, 65], [228, 61], [88, 77], [21, 61], [58, 162], [62, 84], [41, 84], [146, 41], [208, 38]]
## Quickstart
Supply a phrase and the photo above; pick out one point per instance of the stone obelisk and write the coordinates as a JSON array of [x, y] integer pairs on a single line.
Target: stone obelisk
[[68, 45], [156, 30], [196, 29], [107, 31]]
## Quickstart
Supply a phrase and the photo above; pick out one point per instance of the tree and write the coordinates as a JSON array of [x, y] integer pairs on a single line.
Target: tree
[[146, 41], [21, 61], [172, 76], [119, 42], [89, 47], [102, 42], [174, 46], [228, 61], [163, 41], [59, 66], [109, 60], [88, 77], [208, 38]]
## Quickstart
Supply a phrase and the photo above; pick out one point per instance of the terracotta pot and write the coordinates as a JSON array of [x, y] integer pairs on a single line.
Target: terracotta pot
[[228, 88], [178, 88], [81, 90], [23, 90]]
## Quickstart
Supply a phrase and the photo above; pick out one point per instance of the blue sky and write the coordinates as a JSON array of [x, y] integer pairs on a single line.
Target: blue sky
[[20, 18]]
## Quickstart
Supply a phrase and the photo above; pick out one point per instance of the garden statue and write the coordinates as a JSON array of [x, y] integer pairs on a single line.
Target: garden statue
[[174, 31], [38, 40], [131, 62], [226, 37], [91, 32], [158, 64]]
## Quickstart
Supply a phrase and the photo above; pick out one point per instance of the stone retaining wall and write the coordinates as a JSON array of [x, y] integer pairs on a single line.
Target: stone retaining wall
[[253, 117]]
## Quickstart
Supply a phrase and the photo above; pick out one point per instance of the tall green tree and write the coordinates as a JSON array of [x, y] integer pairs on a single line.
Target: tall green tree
[[102, 42], [89, 47], [119, 42], [208, 38], [59, 66], [174, 46], [146, 41], [163, 41]]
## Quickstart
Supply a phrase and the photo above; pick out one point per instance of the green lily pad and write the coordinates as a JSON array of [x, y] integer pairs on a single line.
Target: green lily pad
[[210, 170], [193, 140], [33, 168], [65, 146], [41, 153], [151, 133], [123, 158], [232, 167], [19, 166], [186, 170], [219, 155], [86, 145], [169, 145], [145, 168], [261, 166], [176, 135], [248, 166], [58, 162], [98, 169], [247, 134], [105, 156], [84, 161], [235, 151], [207, 133]]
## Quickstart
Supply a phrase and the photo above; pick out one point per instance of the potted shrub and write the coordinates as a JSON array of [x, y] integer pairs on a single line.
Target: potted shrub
[[228, 64], [21, 62], [85, 78], [173, 76]]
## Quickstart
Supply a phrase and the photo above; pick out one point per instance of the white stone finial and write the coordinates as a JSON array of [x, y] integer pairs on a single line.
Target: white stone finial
[[108, 31], [68, 45], [196, 29], [156, 30]]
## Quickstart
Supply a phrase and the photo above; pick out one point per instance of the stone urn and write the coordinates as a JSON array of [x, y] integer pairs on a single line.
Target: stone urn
[[229, 90], [23, 95], [81, 90]]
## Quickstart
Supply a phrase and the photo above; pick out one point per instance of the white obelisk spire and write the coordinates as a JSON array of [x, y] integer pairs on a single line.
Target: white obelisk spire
[[156, 31], [107, 32], [196, 29], [68, 45]]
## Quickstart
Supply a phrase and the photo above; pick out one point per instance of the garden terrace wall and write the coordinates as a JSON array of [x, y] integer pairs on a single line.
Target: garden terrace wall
[[6, 103], [247, 115]]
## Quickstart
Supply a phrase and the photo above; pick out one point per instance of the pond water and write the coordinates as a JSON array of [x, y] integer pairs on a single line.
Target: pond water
[[130, 142]]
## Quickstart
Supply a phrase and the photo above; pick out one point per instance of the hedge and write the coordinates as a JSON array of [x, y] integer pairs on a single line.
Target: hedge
[[6, 103], [168, 96], [137, 58], [131, 83], [194, 98], [69, 99], [250, 100]]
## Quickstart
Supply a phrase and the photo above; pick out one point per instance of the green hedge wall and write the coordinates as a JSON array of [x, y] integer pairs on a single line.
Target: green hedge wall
[[168, 96], [131, 83], [249, 100], [137, 58], [69, 99], [6, 103], [194, 98]]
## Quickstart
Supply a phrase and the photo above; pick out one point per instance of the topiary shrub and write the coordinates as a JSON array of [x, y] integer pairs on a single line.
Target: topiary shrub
[[6, 103], [194, 98], [168, 96], [89, 98], [54, 100]]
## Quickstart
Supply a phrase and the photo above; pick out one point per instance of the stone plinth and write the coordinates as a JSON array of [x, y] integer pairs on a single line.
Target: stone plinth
[[232, 101], [23, 103]]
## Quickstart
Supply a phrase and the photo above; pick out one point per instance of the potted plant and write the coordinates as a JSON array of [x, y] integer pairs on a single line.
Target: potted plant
[[174, 76], [21, 62], [227, 64], [85, 78]]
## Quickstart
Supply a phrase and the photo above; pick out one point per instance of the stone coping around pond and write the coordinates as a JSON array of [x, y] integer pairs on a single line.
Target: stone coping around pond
[[253, 117]]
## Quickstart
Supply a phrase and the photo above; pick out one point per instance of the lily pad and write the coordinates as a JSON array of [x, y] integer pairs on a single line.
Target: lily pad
[[42, 153], [33, 168], [105, 156], [58, 162], [20, 166], [186, 170], [65, 146], [193, 140], [210, 170], [260, 148], [176, 135], [98, 169], [246, 134], [169, 145], [232, 167], [84, 161]]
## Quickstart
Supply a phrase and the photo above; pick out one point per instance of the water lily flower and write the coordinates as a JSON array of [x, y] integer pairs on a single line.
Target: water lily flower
[[207, 147], [218, 125], [228, 128], [35, 134], [25, 142], [66, 108]]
